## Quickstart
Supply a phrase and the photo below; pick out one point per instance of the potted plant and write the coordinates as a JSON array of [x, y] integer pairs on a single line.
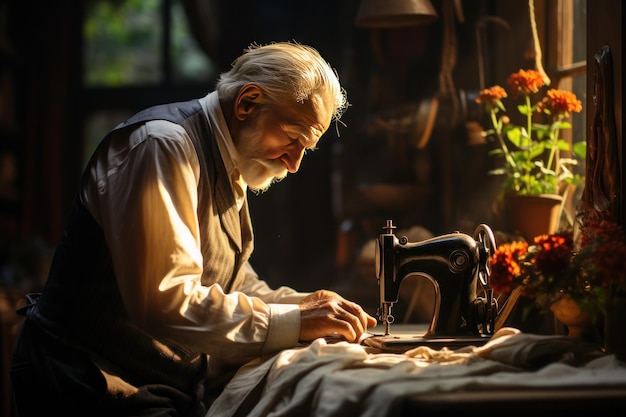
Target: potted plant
[[531, 150], [559, 271]]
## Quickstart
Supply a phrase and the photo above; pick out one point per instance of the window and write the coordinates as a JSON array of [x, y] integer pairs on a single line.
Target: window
[[136, 53], [567, 66]]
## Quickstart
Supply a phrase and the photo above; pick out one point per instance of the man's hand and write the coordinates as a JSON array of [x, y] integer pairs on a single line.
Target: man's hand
[[324, 313]]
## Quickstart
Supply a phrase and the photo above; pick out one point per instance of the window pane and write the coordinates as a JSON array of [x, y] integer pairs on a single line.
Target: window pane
[[189, 63], [579, 52], [121, 43]]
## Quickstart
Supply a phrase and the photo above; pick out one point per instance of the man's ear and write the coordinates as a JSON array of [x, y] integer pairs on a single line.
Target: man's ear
[[249, 96]]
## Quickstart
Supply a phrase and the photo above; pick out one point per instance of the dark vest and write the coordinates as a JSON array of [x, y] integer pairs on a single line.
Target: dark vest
[[81, 303]]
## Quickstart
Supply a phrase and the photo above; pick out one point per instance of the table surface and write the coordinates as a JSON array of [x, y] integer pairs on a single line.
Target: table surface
[[535, 402]]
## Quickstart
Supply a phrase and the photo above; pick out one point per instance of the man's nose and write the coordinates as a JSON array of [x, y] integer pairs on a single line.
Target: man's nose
[[293, 157]]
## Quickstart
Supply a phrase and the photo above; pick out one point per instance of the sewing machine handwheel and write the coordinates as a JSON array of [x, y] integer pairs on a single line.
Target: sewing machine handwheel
[[484, 235]]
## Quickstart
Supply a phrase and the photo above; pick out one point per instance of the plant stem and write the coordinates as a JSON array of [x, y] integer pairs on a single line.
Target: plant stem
[[529, 116], [554, 136], [529, 132], [507, 153]]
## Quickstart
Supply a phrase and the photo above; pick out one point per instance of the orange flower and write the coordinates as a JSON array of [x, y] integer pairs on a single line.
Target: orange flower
[[505, 267], [559, 102], [491, 95], [525, 82], [529, 151]]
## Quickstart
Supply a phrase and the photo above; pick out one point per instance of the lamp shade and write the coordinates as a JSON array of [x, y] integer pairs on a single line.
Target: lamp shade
[[394, 13]]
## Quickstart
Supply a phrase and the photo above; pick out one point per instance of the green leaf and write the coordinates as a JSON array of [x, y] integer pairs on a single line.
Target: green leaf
[[580, 149], [514, 135], [536, 150], [523, 109], [562, 145]]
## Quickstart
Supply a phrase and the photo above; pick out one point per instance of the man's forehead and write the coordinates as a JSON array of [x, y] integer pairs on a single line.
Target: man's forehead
[[309, 135], [312, 117], [324, 110]]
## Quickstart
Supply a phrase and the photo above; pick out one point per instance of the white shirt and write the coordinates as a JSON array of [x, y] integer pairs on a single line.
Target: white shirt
[[160, 282], [230, 156]]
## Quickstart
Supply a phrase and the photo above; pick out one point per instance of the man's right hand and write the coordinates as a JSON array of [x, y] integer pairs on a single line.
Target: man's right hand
[[325, 313]]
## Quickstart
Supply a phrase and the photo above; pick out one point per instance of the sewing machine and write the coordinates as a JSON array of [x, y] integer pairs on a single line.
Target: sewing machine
[[454, 263]]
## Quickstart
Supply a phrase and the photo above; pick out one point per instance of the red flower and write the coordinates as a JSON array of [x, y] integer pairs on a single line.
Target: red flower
[[606, 243], [553, 265], [610, 262], [601, 230], [555, 253]]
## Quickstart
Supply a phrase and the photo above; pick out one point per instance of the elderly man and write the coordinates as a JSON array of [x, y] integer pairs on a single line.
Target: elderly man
[[150, 296]]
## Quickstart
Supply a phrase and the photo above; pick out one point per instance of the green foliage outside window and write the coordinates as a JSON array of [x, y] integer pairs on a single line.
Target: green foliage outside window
[[123, 45]]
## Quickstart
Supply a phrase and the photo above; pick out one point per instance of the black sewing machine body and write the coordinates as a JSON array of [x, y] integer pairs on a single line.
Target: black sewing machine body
[[450, 263], [454, 263]]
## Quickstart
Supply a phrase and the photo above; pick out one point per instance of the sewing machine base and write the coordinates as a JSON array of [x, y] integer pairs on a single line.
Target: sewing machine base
[[405, 337]]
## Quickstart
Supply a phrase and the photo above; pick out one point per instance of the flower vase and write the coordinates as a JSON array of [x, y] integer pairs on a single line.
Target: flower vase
[[579, 322], [534, 215]]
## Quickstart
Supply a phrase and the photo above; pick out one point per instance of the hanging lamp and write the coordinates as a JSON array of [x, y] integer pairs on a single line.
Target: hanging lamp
[[394, 13]]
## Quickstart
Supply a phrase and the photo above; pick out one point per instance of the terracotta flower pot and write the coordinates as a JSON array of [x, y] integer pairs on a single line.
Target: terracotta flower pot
[[534, 215]]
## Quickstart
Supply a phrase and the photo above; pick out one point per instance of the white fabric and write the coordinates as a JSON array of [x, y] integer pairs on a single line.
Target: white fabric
[[150, 179], [344, 379]]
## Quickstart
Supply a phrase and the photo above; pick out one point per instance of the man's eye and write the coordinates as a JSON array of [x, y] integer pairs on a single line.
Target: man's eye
[[301, 140]]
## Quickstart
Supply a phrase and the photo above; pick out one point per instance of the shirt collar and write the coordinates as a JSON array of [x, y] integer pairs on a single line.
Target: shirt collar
[[211, 105]]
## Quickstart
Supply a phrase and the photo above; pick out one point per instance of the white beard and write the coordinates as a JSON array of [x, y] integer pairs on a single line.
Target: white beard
[[259, 174]]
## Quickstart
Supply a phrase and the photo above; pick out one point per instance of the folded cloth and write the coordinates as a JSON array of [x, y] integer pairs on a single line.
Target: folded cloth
[[339, 379], [522, 350], [533, 351]]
